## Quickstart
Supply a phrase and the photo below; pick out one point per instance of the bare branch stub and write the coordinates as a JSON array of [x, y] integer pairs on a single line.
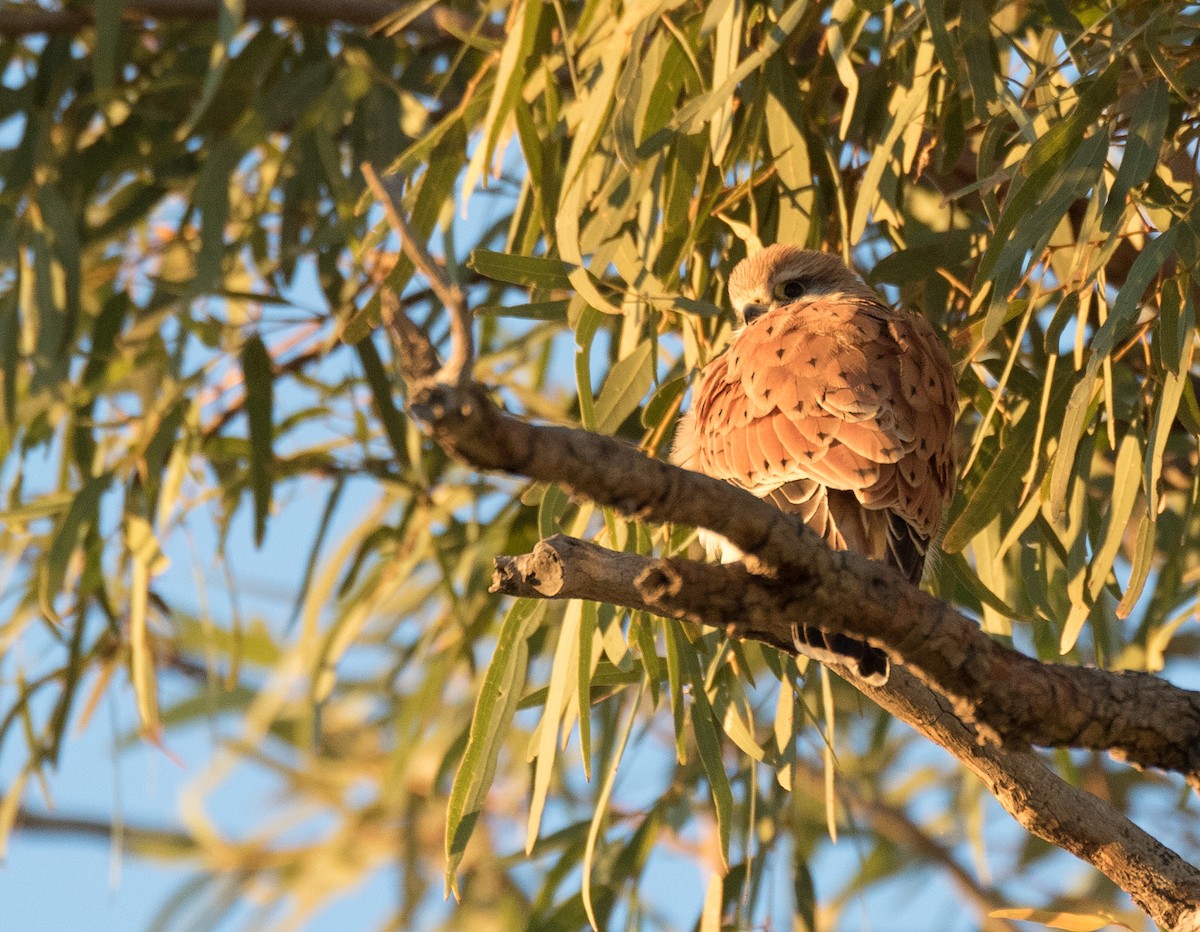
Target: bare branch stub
[[416, 354], [457, 369]]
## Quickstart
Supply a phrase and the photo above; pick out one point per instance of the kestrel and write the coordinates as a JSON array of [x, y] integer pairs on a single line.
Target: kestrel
[[834, 406]]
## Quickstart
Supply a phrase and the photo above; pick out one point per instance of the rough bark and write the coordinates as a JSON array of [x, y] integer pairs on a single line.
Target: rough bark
[[984, 703], [792, 577], [1160, 882]]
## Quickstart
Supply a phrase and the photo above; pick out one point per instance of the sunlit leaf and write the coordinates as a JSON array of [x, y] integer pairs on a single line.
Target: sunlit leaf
[[494, 710], [623, 390], [1072, 922], [530, 271]]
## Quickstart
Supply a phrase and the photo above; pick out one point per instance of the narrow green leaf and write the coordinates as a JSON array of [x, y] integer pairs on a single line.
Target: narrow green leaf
[[1148, 115], [713, 14], [552, 507], [726, 43], [641, 625], [843, 61], [675, 685], [107, 17], [1143, 559], [1043, 161], [956, 570], [805, 893], [610, 778], [1158, 637], [10, 354], [211, 196], [588, 620], [1127, 481], [539, 310], [381, 395], [229, 21], [563, 673], [629, 97], [663, 401], [708, 747], [510, 79], [1003, 476], [258, 371], [529, 271], [1121, 316], [1070, 922], [741, 733], [1125, 310], [494, 709], [784, 118], [830, 763], [314, 552], [147, 561], [623, 390], [1031, 235], [585, 333], [1175, 381], [694, 115], [10, 807], [907, 109], [978, 52], [1080, 408], [82, 514], [44, 506]]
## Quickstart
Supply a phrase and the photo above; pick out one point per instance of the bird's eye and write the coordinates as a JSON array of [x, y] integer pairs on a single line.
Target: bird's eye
[[792, 289]]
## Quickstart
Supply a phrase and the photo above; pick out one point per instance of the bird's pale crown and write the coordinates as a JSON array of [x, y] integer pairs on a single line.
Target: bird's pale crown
[[783, 274]]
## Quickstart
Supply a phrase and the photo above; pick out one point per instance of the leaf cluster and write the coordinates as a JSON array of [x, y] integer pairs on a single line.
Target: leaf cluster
[[189, 279]]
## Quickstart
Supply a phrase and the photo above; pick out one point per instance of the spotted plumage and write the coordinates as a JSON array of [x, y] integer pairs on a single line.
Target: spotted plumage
[[834, 406]]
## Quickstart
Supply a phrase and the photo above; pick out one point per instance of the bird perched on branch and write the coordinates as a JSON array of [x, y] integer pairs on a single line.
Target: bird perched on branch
[[834, 406]]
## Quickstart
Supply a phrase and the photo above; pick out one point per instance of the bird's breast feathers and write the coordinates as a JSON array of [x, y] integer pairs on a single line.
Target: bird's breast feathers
[[843, 391]]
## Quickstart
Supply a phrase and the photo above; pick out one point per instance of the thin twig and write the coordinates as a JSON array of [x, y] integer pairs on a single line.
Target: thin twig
[[418, 359], [436, 24], [135, 836], [894, 824], [457, 370]]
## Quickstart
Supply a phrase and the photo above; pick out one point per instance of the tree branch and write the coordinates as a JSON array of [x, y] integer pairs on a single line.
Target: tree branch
[[457, 370], [138, 838], [894, 824], [34, 20], [1135, 716], [978, 699], [1161, 882]]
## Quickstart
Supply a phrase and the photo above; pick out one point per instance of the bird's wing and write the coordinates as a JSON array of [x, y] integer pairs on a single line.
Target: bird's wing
[[840, 410]]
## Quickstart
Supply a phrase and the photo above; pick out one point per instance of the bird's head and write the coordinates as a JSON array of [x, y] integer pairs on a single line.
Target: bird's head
[[783, 274]]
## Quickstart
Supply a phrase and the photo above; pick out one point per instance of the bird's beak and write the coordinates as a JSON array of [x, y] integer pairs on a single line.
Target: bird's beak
[[752, 312]]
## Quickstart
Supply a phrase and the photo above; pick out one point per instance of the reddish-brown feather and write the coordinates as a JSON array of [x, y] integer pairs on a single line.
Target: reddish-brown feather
[[836, 408], [845, 392]]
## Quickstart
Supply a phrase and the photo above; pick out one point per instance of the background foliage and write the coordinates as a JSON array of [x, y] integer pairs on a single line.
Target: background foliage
[[188, 266]]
